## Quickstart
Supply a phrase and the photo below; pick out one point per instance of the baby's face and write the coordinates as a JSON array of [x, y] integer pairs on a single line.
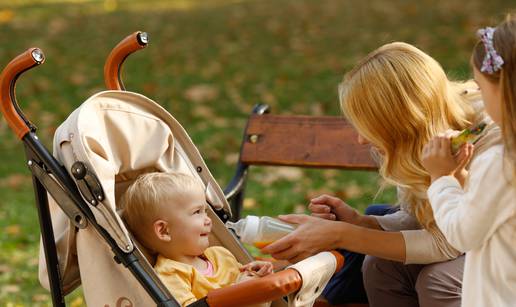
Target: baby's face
[[188, 222]]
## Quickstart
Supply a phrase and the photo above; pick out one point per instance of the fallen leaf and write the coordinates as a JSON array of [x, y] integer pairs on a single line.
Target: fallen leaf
[[13, 230], [274, 174], [317, 192], [14, 181], [5, 269], [249, 203], [110, 5], [316, 109], [232, 158], [149, 88], [78, 78], [219, 122], [289, 173], [237, 99], [47, 118], [57, 26], [269, 193], [330, 173], [268, 98], [332, 184], [351, 190], [40, 297], [203, 111], [211, 69], [6, 16], [33, 261], [201, 93], [11, 289], [78, 302], [300, 209]]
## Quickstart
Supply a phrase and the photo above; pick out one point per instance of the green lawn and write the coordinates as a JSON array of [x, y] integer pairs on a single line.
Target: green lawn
[[208, 63]]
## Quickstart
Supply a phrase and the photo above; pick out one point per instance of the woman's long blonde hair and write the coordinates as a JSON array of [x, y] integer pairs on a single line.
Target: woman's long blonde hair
[[398, 98]]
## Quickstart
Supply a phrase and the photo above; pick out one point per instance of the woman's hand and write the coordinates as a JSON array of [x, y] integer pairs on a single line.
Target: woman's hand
[[257, 268], [438, 160], [312, 235], [333, 208]]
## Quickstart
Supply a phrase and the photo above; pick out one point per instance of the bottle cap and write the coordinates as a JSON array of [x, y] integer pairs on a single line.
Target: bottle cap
[[251, 229]]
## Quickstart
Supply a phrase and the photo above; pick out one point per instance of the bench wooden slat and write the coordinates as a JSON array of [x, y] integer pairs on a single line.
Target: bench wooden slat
[[304, 141]]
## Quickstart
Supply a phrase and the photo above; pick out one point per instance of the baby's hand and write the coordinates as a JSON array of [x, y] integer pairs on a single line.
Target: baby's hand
[[257, 268], [438, 160]]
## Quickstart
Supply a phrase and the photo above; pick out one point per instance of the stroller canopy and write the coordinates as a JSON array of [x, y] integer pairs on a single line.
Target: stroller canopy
[[120, 135]]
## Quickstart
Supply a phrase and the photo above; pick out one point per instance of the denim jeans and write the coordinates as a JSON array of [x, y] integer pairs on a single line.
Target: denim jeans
[[347, 285]]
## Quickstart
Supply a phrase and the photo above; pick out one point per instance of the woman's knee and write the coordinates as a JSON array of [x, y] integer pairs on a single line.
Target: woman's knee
[[373, 271], [368, 265], [440, 284], [388, 283], [371, 274]]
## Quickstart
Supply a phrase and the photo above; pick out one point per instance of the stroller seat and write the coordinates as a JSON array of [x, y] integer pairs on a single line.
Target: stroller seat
[[120, 135]]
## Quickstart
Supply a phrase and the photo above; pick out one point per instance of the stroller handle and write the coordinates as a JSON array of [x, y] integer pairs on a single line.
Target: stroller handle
[[134, 42], [8, 105]]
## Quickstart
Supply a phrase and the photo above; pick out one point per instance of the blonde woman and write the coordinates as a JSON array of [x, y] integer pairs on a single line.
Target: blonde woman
[[397, 98]]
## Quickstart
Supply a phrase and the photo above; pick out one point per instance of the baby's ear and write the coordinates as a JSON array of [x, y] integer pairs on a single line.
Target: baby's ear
[[160, 228]]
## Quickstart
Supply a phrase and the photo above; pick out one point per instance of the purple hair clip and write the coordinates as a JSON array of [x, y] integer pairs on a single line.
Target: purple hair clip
[[492, 61]]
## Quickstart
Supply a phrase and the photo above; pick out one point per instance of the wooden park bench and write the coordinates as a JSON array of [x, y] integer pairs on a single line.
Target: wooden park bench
[[300, 141], [293, 140]]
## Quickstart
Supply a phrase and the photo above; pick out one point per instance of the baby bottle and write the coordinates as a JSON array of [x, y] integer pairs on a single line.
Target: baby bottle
[[260, 231]]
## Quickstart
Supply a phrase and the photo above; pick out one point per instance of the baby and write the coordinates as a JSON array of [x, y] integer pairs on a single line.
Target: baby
[[167, 214]]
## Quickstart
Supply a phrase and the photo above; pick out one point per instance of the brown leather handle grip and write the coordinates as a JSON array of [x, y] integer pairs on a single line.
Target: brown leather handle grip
[[340, 260], [261, 290], [8, 105], [134, 42], [256, 291]]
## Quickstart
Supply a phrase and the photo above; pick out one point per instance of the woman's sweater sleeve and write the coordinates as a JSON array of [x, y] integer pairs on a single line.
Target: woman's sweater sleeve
[[421, 246], [469, 217]]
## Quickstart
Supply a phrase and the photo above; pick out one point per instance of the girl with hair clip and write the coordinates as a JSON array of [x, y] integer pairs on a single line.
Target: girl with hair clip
[[480, 219], [398, 98]]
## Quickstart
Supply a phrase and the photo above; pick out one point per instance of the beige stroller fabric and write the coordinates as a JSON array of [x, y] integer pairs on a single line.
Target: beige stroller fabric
[[315, 272], [121, 135]]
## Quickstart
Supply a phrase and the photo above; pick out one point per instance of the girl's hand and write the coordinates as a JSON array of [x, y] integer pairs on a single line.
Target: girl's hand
[[333, 208], [438, 160], [257, 268], [312, 235], [463, 157]]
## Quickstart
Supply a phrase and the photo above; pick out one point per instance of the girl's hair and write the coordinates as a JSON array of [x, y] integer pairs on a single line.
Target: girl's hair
[[398, 98], [504, 42], [149, 194]]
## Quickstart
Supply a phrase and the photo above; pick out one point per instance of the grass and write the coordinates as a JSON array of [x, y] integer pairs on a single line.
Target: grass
[[208, 63]]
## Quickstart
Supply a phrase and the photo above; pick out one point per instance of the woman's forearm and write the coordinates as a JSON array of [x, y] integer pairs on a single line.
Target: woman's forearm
[[369, 221], [378, 243]]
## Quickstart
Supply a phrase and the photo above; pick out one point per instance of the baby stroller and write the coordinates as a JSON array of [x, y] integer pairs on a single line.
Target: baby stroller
[[113, 137]]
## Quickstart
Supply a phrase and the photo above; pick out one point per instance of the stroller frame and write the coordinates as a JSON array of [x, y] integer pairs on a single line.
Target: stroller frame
[[50, 175], [75, 193]]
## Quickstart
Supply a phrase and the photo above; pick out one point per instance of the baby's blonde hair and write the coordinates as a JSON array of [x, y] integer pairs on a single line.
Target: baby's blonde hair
[[149, 194], [398, 98]]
